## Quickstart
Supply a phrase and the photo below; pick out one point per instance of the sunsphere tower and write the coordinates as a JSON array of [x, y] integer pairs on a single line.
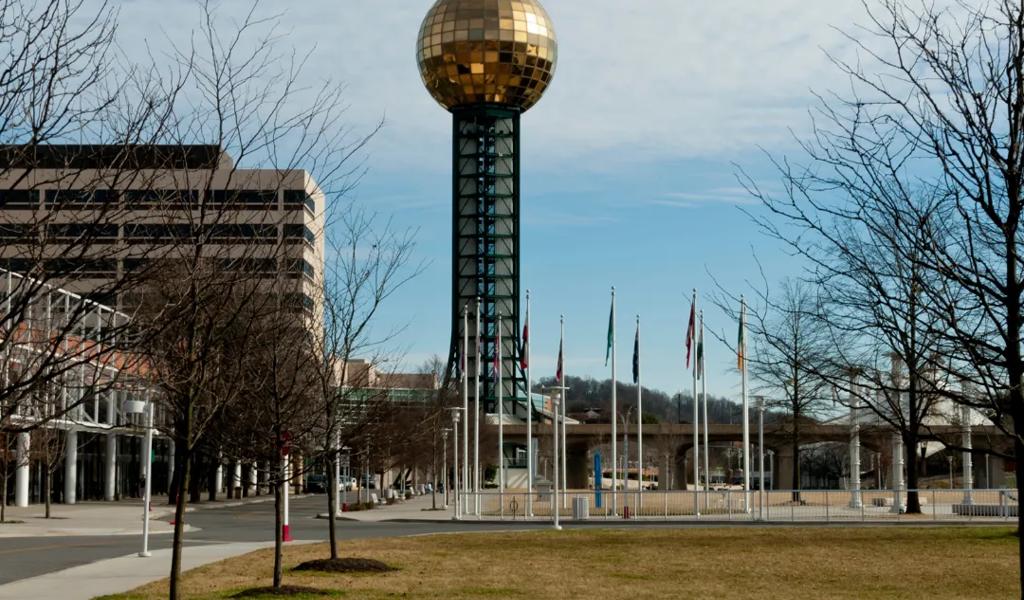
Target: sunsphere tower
[[487, 62]]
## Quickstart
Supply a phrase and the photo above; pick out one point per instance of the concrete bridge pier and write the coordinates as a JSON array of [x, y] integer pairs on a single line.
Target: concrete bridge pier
[[782, 477], [577, 465]]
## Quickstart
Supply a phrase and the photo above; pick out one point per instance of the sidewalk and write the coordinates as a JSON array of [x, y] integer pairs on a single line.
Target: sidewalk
[[118, 575], [86, 518], [123, 517], [416, 509]]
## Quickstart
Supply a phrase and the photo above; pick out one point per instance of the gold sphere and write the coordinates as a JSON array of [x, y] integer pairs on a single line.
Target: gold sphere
[[487, 52]]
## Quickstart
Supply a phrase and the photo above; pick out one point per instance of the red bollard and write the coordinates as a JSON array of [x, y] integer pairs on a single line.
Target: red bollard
[[625, 512]]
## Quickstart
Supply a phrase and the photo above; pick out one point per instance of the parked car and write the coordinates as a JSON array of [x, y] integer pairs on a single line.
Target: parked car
[[348, 483], [316, 483]]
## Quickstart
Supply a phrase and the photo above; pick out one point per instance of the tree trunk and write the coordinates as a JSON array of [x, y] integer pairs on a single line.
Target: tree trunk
[[179, 530], [278, 521], [47, 486], [194, 493], [181, 476], [3, 478], [796, 458], [910, 441], [211, 482], [332, 504]]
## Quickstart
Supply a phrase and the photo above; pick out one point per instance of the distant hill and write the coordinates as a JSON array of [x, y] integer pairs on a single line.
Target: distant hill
[[659, 407]]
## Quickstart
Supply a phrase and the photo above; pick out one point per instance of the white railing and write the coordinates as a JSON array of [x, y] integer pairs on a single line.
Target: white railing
[[732, 505]]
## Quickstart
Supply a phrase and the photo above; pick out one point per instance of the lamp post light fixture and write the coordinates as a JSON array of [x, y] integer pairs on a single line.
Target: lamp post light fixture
[[145, 407], [456, 418]]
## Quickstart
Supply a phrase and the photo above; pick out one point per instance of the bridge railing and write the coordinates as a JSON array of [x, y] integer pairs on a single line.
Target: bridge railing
[[737, 505]]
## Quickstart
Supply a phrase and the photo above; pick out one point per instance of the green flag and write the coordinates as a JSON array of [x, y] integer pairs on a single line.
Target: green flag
[[611, 333], [700, 349]]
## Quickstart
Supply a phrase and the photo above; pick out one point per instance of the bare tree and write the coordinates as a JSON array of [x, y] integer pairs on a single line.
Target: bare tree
[[788, 355], [933, 131], [371, 262]]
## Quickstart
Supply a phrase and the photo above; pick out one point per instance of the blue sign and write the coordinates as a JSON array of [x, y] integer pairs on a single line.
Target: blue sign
[[597, 479]]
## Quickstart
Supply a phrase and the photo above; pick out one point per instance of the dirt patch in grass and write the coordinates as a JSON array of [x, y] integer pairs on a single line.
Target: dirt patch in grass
[[284, 591], [769, 563], [345, 565]]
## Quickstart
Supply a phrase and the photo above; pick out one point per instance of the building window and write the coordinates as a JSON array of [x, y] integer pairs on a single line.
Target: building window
[[244, 199], [78, 199], [82, 267], [152, 232], [295, 232], [299, 265], [295, 199], [235, 232], [181, 199], [98, 233], [19, 199]]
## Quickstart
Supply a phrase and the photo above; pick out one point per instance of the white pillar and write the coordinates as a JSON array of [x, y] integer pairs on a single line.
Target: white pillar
[[71, 467], [110, 458], [968, 465], [897, 474], [236, 480], [110, 468], [22, 473], [170, 465], [218, 478], [253, 482], [855, 496]]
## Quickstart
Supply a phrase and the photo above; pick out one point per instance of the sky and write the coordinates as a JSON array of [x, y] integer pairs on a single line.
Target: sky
[[629, 162]]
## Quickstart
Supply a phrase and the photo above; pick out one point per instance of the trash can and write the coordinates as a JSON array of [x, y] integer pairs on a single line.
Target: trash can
[[580, 508]]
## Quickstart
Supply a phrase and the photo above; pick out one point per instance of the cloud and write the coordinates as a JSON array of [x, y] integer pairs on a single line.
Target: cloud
[[731, 196], [635, 80]]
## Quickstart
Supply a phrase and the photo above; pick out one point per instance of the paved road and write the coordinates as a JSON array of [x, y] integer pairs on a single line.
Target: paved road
[[21, 558]]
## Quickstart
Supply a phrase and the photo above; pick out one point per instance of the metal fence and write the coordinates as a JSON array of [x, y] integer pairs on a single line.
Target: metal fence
[[736, 505]]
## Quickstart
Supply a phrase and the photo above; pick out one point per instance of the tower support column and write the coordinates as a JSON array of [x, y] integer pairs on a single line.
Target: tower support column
[[485, 251]]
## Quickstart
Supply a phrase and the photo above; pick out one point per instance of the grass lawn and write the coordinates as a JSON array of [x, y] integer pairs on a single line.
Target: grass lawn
[[735, 562]]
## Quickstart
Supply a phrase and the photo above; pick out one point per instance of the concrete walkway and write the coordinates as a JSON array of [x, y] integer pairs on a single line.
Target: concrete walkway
[[119, 574], [419, 508], [86, 518], [105, 518]]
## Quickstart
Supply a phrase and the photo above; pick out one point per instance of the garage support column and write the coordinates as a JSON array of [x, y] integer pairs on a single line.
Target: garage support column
[[71, 468], [22, 472]]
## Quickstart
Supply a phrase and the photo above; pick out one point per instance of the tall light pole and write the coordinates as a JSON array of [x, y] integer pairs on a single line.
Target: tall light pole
[[456, 417], [444, 465], [148, 490], [760, 455]]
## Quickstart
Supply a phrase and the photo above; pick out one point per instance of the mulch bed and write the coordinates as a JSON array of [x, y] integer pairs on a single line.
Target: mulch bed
[[284, 590], [345, 565]]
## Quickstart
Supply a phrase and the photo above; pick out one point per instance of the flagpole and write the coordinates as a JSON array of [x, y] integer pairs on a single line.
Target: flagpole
[[465, 400], [746, 408], [476, 419], [639, 417], [559, 398], [565, 445], [704, 393], [501, 416], [529, 414], [615, 412], [696, 421]]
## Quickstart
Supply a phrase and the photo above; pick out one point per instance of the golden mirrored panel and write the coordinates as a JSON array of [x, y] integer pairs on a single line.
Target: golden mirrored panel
[[487, 52]]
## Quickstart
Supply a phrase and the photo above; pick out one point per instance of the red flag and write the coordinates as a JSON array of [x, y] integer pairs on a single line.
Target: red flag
[[690, 330]]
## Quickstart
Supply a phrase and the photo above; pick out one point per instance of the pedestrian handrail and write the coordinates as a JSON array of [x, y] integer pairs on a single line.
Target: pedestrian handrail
[[736, 505]]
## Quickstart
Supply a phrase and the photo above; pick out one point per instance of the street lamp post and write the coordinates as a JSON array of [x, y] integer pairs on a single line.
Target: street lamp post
[[444, 466], [148, 490], [456, 417]]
